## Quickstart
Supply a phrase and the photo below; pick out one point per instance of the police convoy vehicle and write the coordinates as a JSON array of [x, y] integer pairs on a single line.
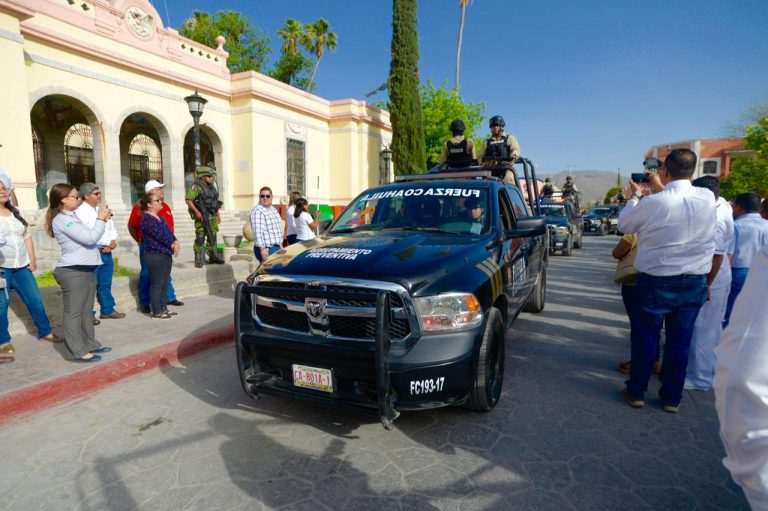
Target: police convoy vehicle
[[403, 302]]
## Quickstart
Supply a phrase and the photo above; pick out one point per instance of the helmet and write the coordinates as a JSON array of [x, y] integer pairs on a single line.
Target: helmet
[[568, 179], [496, 120], [457, 126], [547, 180]]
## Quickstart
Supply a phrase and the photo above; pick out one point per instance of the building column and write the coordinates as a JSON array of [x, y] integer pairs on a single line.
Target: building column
[[114, 184], [173, 172]]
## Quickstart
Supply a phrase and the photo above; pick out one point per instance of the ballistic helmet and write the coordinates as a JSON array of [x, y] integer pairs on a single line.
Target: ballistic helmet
[[205, 170], [496, 120], [457, 126]]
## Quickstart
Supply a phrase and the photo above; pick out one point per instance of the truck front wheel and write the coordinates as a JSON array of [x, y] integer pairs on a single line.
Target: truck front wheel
[[489, 376]]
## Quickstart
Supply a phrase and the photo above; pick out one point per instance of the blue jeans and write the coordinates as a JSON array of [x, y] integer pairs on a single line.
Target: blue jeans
[[23, 281], [675, 300], [144, 282], [271, 250], [738, 276], [104, 283]]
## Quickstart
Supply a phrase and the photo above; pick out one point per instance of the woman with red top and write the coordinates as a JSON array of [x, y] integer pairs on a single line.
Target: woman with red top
[[159, 245]]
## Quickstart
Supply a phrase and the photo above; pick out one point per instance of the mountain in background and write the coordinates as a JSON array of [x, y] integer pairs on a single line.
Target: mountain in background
[[593, 184]]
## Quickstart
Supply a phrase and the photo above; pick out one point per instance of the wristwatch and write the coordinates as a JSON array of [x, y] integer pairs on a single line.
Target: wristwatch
[[637, 195]]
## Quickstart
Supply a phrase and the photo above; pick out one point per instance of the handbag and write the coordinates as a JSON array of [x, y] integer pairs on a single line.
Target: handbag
[[625, 268]]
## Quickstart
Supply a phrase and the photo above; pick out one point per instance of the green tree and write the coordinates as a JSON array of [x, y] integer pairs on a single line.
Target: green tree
[[317, 37], [440, 106], [247, 46], [408, 152], [293, 66], [463, 6], [750, 174], [610, 194]]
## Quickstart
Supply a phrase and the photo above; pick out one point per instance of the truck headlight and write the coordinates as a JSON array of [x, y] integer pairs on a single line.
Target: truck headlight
[[563, 230], [450, 311]]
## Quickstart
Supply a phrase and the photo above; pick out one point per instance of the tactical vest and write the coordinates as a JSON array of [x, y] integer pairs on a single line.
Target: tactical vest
[[457, 154], [208, 197], [496, 149]]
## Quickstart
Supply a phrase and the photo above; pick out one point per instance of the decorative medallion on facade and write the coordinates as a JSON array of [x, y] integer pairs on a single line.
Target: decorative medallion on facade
[[140, 23]]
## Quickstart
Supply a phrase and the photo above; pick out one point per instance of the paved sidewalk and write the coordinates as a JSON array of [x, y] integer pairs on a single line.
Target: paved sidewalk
[[42, 375]]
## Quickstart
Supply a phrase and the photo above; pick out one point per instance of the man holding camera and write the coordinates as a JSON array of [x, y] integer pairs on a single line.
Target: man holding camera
[[676, 242]]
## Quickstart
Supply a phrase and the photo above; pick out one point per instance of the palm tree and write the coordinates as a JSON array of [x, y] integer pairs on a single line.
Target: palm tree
[[463, 6], [317, 37], [291, 34]]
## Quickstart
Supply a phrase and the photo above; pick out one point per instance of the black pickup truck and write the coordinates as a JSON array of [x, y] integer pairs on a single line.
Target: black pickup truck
[[403, 302], [565, 226]]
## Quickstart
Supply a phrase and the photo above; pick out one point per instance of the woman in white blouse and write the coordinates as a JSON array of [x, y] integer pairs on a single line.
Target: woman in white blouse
[[290, 227], [305, 224], [17, 262]]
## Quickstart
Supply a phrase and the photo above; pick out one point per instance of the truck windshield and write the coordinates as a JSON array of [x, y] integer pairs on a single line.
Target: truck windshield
[[416, 206], [552, 210]]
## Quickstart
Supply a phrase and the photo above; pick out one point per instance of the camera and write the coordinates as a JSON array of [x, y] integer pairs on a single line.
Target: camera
[[652, 164], [639, 177]]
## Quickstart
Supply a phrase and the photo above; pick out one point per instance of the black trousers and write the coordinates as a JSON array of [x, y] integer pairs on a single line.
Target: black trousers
[[159, 266]]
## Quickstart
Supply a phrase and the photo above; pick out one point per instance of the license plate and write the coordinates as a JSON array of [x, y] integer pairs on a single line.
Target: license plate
[[312, 378]]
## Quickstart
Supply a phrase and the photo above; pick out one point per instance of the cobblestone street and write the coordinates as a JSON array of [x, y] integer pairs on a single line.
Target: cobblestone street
[[561, 437]]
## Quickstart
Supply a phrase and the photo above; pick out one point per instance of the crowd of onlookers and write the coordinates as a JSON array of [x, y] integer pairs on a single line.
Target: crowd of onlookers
[[86, 235], [698, 268]]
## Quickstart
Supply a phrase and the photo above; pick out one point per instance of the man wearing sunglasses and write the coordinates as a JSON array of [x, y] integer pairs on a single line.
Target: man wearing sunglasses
[[87, 212], [266, 226]]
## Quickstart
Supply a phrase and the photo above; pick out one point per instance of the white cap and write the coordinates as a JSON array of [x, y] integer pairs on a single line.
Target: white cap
[[151, 185]]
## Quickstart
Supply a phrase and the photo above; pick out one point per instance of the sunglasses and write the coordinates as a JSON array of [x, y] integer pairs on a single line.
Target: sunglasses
[[264, 196]]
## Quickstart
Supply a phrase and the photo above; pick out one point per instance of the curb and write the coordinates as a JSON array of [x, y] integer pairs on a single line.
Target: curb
[[66, 388]]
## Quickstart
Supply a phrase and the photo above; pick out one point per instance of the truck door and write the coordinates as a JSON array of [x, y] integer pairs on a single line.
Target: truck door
[[514, 262]]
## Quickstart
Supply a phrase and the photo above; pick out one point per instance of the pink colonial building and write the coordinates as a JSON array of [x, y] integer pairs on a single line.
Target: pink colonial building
[[714, 154]]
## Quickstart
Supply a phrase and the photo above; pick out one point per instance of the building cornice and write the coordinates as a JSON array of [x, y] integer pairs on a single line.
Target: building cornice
[[18, 10]]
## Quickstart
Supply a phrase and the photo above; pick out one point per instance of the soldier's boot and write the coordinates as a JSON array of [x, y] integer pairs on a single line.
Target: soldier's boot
[[199, 252], [213, 257]]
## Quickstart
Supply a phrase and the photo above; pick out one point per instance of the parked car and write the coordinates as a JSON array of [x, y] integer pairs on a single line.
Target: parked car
[[403, 302]]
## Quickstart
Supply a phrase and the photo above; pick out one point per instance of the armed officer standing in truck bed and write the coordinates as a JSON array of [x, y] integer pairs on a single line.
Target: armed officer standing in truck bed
[[499, 147], [459, 151]]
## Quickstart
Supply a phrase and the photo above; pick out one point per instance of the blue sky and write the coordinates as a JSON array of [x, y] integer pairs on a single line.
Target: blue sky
[[584, 84]]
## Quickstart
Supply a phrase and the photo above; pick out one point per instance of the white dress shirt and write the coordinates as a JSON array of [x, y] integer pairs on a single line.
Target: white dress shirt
[[675, 230], [751, 236], [290, 222], [88, 214], [724, 236], [741, 386]]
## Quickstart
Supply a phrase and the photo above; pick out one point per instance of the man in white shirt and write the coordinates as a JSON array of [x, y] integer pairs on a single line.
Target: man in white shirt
[[709, 322], [675, 243], [266, 226], [87, 212], [741, 387], [751, 234]]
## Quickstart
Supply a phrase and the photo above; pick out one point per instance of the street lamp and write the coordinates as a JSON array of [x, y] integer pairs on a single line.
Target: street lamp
[[196, 105], [386, 156]]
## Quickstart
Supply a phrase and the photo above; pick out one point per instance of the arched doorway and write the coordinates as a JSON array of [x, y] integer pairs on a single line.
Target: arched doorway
[[64, 144], [143, 142]]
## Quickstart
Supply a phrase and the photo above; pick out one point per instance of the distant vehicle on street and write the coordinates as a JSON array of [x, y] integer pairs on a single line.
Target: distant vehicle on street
[[403, 302], [602, 220], [564, 224]]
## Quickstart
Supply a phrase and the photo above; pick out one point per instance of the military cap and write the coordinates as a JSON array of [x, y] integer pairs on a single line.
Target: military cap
[[205, 170]]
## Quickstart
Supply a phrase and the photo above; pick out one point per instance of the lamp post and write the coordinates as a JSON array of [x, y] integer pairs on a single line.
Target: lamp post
[[386, 156], [196, 105]]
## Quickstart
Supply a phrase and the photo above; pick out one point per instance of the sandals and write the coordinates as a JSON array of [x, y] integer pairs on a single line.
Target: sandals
[[162, 315], [52, 338]]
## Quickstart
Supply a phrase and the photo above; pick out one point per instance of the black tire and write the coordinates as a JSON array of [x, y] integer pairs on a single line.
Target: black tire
[[538, 297], [567, 249], [603, 230], [489, 376], [578, 243]]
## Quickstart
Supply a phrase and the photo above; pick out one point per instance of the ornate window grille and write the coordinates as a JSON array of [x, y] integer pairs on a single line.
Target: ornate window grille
[[297, 178], [145, 162], [78, 155]]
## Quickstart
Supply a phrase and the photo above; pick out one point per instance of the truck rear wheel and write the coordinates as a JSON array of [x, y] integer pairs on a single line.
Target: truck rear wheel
[[537, 299], [489, 376]]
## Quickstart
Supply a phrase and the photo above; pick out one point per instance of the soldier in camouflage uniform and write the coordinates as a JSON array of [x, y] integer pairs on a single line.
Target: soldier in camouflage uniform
[[203, 196]]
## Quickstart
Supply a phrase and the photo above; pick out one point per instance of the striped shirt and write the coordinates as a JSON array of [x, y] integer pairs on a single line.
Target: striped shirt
[[266, 226]]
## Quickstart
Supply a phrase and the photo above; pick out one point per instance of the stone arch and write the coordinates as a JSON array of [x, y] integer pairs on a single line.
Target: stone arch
[[211, 131], [143, 120], [53, 111]]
